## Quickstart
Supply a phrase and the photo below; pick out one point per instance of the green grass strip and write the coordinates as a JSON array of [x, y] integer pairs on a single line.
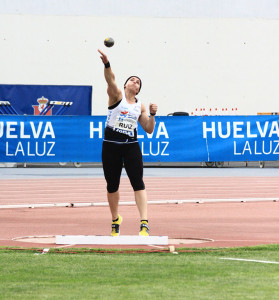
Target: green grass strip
[[192, 274]]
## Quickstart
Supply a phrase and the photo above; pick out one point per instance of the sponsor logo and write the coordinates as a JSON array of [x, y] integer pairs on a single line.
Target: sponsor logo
[[124, 113]]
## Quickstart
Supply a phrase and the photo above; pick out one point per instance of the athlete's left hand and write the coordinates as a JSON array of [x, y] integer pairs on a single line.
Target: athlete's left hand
[[153, 108]]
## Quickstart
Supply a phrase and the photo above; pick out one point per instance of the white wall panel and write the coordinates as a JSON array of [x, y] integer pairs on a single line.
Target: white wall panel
[[145, 8], [184, 63]]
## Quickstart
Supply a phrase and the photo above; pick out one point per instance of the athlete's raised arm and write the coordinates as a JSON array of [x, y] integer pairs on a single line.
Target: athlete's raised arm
[[113, 91]]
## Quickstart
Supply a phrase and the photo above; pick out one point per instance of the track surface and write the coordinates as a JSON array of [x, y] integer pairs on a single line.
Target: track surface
[[237, 206]]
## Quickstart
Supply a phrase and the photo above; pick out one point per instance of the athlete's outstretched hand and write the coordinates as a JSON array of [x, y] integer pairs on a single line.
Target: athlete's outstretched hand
[[103, 56]]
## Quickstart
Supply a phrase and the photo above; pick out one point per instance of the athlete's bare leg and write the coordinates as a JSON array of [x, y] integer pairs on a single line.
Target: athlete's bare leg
[[141, 201], [113, 200]]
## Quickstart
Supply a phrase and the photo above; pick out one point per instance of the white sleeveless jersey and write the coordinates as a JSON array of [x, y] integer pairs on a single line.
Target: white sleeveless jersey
[[123, 118]]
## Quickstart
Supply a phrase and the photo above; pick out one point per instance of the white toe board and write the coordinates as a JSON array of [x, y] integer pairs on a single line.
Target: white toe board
[[109, 240]]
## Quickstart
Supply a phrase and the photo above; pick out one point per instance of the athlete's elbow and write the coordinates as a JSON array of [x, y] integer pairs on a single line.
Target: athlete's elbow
[[149, 130]]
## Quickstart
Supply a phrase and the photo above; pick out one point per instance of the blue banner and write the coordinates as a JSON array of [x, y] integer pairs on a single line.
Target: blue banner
[[175, 139], [32, 99]]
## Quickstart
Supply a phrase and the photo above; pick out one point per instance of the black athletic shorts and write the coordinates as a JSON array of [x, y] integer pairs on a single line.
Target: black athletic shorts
[[114, 156]]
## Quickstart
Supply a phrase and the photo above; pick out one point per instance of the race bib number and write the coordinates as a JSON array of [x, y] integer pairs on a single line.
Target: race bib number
[[125, 125]]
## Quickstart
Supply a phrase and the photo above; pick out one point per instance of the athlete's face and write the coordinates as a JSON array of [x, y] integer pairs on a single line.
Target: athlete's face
[[133, 84]]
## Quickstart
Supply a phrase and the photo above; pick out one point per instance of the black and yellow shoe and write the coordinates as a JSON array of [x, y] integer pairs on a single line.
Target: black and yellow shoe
[[144, 228], [115, 226]]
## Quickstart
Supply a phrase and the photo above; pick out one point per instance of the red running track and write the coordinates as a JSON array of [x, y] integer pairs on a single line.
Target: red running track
[[226, 223], [92, 190]]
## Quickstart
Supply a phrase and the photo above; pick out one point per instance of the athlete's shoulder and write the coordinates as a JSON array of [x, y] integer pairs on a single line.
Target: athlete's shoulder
[[114, 105]]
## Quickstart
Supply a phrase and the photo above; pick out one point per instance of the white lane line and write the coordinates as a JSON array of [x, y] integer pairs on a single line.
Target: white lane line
[[251, 260], [79, 204]]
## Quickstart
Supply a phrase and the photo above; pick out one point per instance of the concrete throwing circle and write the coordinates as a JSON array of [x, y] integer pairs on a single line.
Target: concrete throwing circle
[[185, 241], [51, 239], [40, 239]]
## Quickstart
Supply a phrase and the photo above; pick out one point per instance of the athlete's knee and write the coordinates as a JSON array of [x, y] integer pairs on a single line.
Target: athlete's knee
[[138, 186], [112, 188]]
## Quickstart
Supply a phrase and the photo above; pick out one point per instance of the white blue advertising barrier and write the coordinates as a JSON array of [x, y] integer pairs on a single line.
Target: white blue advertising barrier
[[175, 139], [33, 99]]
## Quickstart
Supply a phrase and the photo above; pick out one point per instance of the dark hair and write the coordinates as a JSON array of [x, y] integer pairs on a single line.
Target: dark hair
[[130, 78]]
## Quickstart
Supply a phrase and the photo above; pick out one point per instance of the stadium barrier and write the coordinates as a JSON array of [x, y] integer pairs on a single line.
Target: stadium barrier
[[175, 139]]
